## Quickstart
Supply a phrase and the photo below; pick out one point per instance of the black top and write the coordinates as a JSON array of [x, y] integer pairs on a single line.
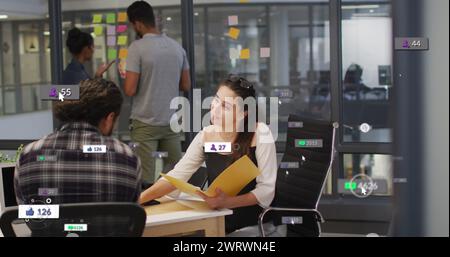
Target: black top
[[242, 216], [74, 73]]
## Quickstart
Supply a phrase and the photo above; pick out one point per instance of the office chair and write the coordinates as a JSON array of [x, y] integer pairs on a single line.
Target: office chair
[[200, 178], [298, 189], [105, 219]]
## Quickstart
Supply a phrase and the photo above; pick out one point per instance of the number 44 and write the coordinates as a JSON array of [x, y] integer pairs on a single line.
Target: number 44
[[416, 43]]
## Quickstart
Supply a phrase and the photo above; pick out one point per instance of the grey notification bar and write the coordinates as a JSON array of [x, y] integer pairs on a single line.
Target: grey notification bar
[[59, 92]]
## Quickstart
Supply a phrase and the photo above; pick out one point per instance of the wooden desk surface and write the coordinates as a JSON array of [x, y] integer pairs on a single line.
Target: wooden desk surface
[[184, 217], [180, 211]]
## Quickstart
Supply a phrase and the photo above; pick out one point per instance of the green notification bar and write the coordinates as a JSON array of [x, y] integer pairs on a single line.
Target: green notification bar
[[350, 185], [309, 143]]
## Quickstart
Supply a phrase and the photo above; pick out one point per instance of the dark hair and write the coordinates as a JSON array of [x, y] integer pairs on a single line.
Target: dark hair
[[141, 11], [98, 98], [244, 89], [353, 75], [77, 40]]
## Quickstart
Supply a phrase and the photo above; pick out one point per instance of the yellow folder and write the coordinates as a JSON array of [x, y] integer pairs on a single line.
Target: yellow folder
[[231, 181]]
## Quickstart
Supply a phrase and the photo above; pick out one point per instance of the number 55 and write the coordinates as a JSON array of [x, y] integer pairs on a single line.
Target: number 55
[[66, 92]]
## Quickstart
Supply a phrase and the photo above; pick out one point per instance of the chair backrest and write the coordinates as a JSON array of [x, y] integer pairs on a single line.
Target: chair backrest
[[104, 219], [302, 186], [199, 178]]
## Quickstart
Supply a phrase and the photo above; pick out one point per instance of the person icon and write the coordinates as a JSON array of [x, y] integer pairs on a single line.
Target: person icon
[[405, 44], [213, 148], [53, 92]]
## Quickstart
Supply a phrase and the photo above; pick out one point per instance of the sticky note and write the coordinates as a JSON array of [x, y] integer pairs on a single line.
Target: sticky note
[[234, 33], [111, 41], [110, 30], [121, 28], [244, 1], [98, 30], [234, 53], [122, 17], [245, 53], [111, 18], [264, 52], [232, 20], [97, 18], [122, 40], [112, 53], [123, 53]]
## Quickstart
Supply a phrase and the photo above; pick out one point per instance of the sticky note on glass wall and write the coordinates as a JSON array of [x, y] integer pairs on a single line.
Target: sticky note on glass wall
[[122, 40], [122, 28], [110, 30], [98, 30], [111, 41], [264, 52], [233, 20], [122, 17], [111, 18], [245, 53], [112, 54], [97, 18], [234, 53], [123, 53], [234, 33]]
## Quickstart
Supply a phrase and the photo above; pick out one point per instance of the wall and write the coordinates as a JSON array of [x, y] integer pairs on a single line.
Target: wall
[[436, 118], [18, 126]]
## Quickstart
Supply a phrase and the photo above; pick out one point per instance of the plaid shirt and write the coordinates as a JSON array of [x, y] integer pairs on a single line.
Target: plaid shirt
[[57, 162]]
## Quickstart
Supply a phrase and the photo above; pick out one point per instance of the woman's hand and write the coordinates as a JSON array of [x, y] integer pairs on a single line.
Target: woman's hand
[[219, 201], [102, 69]]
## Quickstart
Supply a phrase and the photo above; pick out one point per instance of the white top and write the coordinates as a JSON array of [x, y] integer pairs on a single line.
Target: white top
[[265, 156]]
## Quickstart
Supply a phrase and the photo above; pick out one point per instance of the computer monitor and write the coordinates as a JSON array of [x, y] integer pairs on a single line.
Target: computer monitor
[[7, 194]]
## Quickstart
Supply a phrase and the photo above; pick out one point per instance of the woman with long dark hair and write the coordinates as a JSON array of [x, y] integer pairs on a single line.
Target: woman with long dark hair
[[235, 123]]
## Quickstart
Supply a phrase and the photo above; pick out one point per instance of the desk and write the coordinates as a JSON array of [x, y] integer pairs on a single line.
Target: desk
[[171, 218]]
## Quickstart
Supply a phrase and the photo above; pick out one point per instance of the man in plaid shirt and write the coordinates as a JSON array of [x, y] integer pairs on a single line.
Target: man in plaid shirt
[[57, 162]]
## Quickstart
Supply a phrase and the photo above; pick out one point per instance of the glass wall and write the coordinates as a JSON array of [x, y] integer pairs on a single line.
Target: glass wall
[[297, 68], [366, 87], [288, 57], [112, 35], [25, 66], [366, 71]]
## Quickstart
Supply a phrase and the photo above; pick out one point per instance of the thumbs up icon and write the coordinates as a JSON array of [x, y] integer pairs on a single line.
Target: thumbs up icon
[[29, 212]]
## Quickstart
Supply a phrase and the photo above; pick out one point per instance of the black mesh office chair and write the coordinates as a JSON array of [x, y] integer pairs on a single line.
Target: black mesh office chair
[[299, 187], [104, 219]]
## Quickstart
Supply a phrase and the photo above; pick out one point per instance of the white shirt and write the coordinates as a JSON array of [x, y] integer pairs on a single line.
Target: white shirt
[[265, 155]]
